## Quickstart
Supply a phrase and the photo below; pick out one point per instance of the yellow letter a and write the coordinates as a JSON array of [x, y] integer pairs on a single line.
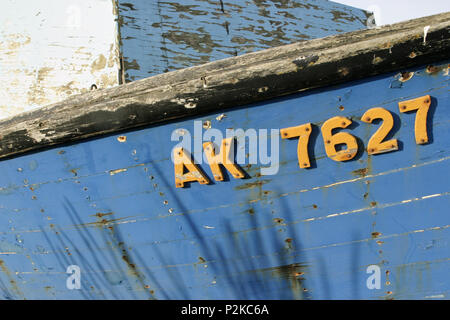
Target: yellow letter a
[[182, 160]]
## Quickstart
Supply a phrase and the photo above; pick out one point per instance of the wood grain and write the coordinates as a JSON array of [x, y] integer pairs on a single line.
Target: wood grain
[[162, 36], [50, 50]]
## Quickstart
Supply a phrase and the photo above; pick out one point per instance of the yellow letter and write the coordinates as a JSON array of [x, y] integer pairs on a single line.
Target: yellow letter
[[182, 160], [223, 159]]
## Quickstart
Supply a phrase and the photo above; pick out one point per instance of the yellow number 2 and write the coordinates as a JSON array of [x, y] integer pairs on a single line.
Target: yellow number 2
[[376, 144], [422, 105]]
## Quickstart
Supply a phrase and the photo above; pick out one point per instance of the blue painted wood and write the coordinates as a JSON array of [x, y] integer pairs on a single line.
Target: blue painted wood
[[161, 36], [112, 208]]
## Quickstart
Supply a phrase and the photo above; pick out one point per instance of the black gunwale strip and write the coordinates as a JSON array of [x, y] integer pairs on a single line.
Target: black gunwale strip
[[231, 82]]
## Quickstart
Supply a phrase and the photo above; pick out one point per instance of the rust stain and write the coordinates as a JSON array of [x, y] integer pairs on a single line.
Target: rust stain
[[250, 211], [48, 288], [100, 214], [388, 282], [100, 223], [361, 172], [132, 267], [201, 260], [8, 273], [375, 234], [122, 138], [120, 245], [433, 70], [206, 124], [292, 272], [289, 245], [252, 185], [405, 76]]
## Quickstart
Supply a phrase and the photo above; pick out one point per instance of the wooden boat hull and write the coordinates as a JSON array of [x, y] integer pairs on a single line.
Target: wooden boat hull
[[108, 204]]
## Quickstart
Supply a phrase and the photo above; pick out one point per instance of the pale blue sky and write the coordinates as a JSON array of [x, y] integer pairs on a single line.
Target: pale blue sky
[[392, 11]]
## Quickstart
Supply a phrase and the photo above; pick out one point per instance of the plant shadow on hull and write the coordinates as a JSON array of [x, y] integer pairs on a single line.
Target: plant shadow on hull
[[257, 257]]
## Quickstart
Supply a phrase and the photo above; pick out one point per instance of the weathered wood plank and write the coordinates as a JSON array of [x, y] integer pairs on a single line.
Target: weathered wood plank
[[230, 82], [50, 50], [162, 36]]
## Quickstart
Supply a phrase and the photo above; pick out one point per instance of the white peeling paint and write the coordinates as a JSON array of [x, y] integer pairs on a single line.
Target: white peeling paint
[[425, 32], [113, 172], [36, 135], [51, 49]]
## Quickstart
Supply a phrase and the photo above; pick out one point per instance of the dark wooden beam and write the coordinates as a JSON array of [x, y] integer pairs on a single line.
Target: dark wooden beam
[[231, 82]]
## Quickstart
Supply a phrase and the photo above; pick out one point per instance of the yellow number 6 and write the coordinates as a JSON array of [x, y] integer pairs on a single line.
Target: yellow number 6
[[332, 140]]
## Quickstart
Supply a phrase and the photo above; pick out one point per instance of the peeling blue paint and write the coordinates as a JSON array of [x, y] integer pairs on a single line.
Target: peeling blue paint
[[299, 234]]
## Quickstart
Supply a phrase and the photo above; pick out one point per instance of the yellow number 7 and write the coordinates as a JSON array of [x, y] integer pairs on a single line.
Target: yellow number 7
[[422, 105], [302, 132]]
